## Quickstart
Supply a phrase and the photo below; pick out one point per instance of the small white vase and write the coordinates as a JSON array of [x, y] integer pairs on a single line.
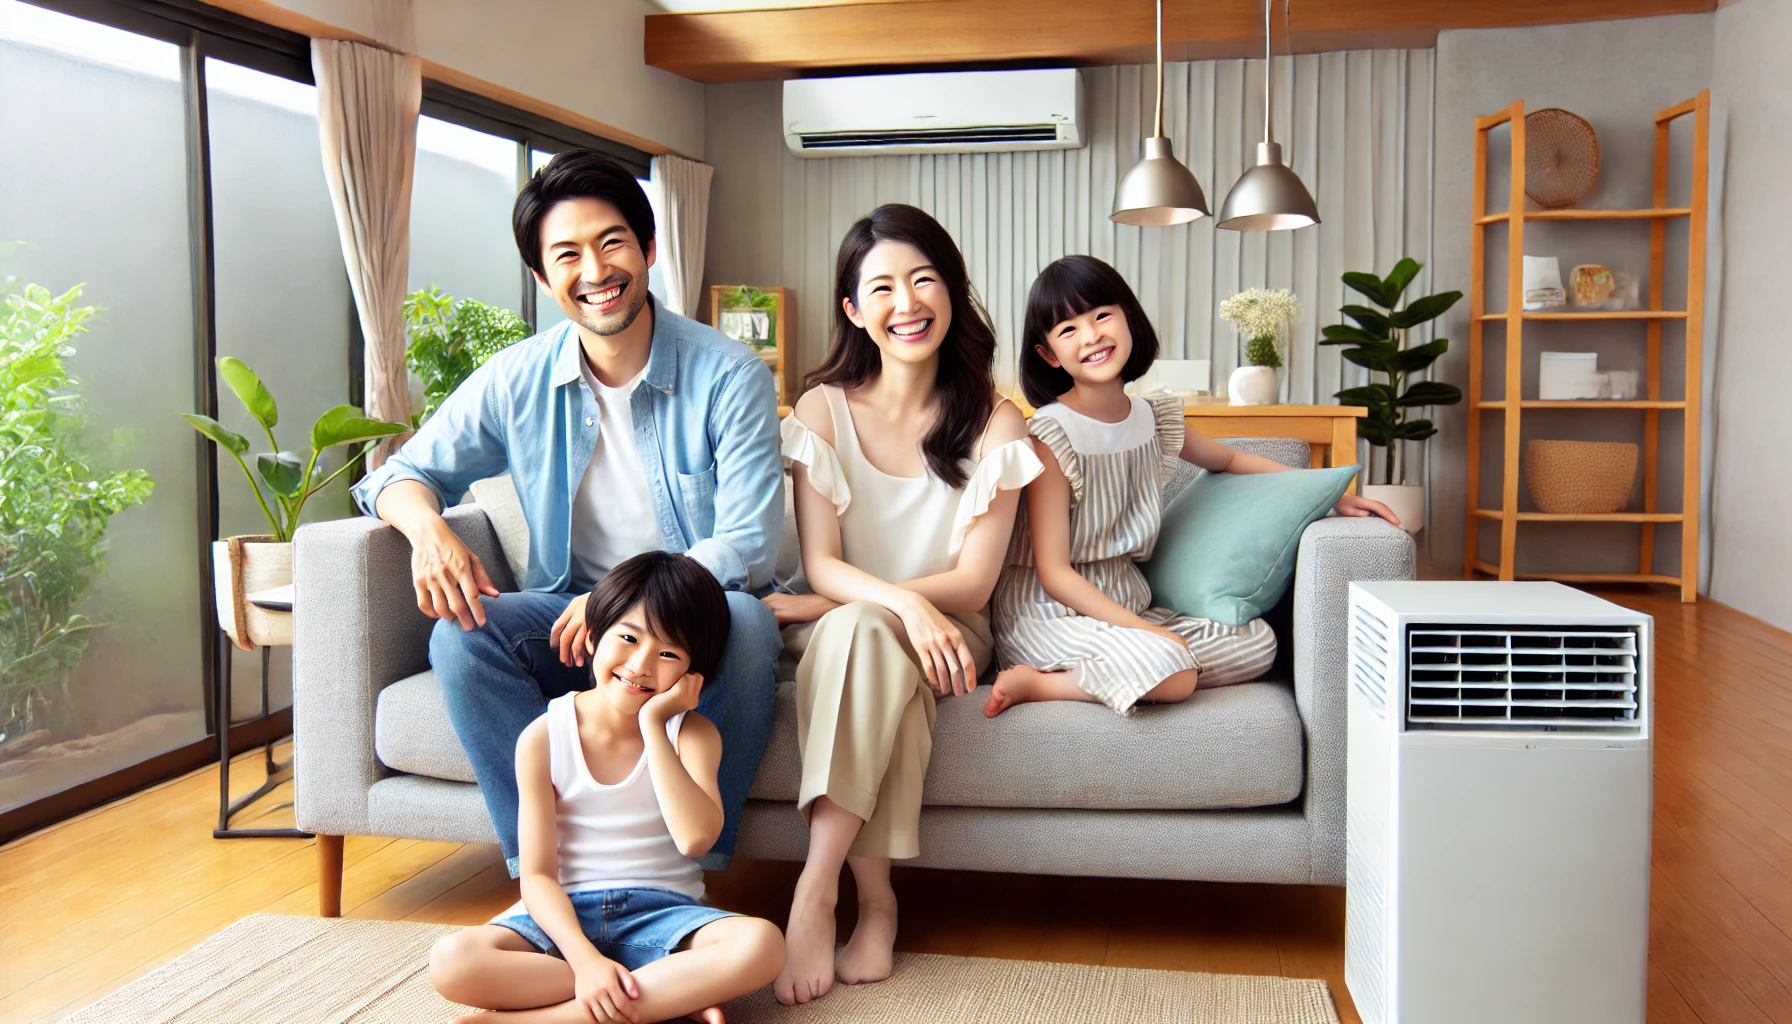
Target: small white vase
[[1407, 501], [1252, 385]]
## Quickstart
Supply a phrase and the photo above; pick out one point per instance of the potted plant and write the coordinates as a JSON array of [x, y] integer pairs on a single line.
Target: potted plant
[[244, 564], [1262, 316], [55, 506], [450, 338], [1378, 344]]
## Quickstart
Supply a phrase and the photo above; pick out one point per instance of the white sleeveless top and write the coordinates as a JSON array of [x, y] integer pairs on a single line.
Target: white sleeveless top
[[611, 837], [899, 528]]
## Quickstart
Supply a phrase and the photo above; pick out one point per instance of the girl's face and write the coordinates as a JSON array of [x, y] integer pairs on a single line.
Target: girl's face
[[1093, 347], [629, 664], [901, 303]]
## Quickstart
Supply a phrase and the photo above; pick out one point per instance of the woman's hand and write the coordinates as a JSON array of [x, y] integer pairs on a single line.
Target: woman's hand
[[605, 989], [675, 699], [794, 608], [945, 658], [1359, 507], [1167, 633], [569, 633]]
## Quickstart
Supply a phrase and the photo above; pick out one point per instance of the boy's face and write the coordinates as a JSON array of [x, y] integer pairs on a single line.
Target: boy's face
[[630, 665]]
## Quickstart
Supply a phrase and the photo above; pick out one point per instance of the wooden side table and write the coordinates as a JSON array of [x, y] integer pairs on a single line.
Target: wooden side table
[[1329, 430]]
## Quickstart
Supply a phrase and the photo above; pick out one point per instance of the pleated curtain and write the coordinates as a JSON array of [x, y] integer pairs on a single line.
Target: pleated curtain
[[367, 104], [680, 195]]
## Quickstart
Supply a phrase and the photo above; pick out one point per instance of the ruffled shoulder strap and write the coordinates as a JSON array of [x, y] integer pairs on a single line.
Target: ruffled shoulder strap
[[1172, 429], [797, 443], [1051, 433], [1006, 468]]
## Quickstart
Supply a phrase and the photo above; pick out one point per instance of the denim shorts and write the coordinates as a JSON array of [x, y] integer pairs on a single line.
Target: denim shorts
[[633, 927]]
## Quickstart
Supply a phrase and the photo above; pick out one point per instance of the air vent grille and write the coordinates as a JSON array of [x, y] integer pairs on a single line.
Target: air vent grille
[[991, 135], [1523, 678], [1371, 657]]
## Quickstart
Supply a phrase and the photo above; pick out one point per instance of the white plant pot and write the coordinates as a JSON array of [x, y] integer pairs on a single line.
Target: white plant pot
[[266, 564], [1252, 385], [1407, 501]]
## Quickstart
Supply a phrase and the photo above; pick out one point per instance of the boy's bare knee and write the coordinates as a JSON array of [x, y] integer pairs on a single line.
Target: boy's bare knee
[[449, 962], [761, 949]]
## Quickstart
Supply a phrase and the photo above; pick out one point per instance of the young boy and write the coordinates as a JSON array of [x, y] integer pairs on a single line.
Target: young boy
[[618, 793]]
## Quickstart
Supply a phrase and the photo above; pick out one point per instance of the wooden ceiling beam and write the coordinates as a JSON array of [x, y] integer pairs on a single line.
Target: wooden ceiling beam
[[805, 41]]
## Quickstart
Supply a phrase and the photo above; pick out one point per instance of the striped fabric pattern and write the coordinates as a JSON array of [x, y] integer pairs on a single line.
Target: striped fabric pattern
[[1114, 518]]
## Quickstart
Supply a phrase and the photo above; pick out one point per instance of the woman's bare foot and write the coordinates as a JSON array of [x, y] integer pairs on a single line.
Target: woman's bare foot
[[809, 946], [868, 954]]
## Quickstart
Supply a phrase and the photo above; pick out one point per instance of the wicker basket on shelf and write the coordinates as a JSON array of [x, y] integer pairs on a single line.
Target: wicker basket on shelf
[[1579, 477]]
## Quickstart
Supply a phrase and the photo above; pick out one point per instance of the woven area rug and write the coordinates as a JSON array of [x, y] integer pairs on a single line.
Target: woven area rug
[[288, 969]]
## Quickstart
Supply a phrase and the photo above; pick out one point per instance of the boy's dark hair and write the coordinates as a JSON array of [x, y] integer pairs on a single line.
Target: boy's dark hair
[[684, 605], [578, 174], [1067, 288]]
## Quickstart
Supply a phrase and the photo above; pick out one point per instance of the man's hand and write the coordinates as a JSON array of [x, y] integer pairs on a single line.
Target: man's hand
[[675, 699], [569, 634], [448, 577]]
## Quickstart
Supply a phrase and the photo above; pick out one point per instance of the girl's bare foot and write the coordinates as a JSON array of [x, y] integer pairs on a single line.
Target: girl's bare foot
[[869, 953], [809, 947], [1024, 684], [713, 1015]]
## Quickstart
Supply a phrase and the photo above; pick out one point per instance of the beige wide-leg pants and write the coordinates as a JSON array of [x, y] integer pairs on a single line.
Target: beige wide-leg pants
[[865, 719]]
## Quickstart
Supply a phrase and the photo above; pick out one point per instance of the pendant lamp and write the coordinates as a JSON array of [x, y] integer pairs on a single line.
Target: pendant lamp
[[1269, 196], [1159, 190]]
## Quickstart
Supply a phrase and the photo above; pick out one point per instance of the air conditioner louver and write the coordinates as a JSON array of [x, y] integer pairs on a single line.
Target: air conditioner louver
[[1372, 658], [995, 135], [1521, 678]]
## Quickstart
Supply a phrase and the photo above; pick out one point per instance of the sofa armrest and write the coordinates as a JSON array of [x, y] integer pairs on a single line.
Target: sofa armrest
[[357, 630], [1333, 553]]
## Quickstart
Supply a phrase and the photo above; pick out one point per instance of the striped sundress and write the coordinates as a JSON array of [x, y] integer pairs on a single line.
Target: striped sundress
[[1117, 472]]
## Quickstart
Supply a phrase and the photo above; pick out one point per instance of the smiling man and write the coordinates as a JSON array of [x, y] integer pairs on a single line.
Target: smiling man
[[627, 429]]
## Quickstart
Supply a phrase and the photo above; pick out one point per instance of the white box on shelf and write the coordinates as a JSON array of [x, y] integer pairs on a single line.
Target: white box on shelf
[[1566, 376]]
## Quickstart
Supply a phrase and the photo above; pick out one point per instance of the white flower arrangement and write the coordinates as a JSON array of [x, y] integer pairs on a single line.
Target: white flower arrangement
[[1261, 315]]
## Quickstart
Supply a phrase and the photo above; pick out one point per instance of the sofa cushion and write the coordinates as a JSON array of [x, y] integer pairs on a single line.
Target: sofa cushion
[[1234, 746]]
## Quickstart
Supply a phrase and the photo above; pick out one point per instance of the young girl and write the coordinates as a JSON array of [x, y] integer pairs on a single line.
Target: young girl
[[907, 468], [618, 793], [1072, 611]]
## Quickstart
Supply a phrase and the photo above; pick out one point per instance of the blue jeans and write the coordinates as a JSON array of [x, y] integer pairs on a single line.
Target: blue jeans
[[499, 678]]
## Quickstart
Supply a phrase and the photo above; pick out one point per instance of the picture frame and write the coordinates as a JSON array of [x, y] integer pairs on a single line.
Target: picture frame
[[758, 317]]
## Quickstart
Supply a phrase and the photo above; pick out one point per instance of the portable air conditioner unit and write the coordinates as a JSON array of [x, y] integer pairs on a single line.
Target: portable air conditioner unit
[[1499, 808], [960, 112]]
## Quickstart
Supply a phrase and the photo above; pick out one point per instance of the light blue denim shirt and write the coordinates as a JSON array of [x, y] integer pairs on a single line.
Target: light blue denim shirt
[[706, 424]]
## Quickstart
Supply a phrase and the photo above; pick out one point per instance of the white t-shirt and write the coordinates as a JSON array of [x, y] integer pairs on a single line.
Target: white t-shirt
[[613, 517]]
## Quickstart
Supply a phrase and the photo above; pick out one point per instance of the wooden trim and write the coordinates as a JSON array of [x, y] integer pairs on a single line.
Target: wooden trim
[[1658, 213], [1587, 403], [1583, 517], [1626, 314], [1514, 347], [541, 108], [1477, 306], [1695, 348]]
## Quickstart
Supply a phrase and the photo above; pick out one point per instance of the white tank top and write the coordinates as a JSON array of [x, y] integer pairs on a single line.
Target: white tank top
[[611, 837]]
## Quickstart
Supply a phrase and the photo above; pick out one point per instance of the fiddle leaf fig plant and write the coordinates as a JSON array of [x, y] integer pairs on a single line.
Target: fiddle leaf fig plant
[[1377, 343], [290, 478]]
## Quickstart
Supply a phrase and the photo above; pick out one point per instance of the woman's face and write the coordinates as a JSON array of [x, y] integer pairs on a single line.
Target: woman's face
[[901, 302], [1093, 347]]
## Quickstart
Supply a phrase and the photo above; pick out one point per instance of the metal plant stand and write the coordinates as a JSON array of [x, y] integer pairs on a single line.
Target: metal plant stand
[[277, 772]]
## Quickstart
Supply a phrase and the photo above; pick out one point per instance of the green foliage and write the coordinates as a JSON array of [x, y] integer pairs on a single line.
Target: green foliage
[[450, 339], [1261, 351], [290, 478], [744, 297], [55, 501], [1378, 343]]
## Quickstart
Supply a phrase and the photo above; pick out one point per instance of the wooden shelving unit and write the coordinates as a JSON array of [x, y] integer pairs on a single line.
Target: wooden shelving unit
[[1514, 218]]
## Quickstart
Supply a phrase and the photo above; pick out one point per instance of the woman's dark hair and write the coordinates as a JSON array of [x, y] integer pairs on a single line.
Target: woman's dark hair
[[1070, 287], [966, 382], [578, 174], [684, 605]]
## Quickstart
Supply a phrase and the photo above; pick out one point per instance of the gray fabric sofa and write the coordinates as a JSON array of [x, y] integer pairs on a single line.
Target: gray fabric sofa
[[1240, 783]]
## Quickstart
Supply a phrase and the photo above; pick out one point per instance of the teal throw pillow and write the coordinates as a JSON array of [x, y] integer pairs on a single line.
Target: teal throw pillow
[[1227, 546]]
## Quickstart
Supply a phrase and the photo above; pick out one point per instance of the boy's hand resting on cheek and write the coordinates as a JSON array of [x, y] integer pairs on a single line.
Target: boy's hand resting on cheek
[[605, 989], [679, 697], [1358, 506]]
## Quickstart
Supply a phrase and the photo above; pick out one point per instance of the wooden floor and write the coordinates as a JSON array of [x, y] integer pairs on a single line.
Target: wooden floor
[[97, 901]]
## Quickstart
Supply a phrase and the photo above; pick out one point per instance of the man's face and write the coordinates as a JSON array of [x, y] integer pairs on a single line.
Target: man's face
[[596, 268]]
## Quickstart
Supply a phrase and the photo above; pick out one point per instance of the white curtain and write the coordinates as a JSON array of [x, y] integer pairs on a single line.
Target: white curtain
[[681, 196], [367, 103]]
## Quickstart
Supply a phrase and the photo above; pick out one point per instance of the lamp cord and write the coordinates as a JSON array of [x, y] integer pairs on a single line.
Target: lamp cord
[[1160, 68]]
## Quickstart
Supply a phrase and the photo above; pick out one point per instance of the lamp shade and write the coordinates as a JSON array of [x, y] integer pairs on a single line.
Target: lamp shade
[[1268, 197], [1159, 190]]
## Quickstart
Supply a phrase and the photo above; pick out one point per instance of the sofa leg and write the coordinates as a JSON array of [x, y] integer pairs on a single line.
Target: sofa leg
[[329, 876]]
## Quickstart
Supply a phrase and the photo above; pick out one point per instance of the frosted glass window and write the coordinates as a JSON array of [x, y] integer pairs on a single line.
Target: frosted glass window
[[100, 198], [283, 302], [461, 197]]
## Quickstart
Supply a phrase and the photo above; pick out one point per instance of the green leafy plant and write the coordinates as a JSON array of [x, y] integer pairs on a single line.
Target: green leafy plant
[[55, 502], [450, 338], [744, 297], [291, 479], [1378, 344]]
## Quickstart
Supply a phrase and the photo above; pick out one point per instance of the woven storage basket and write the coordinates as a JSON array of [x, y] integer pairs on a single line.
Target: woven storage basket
[[1579, 477]]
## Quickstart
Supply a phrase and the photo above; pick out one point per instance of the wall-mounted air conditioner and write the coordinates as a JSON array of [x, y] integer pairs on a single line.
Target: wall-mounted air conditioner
[[1499, 810], [958, 112]]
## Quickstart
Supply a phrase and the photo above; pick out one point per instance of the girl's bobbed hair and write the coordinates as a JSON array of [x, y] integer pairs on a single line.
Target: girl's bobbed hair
[[1070, 287], [966, 380]]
